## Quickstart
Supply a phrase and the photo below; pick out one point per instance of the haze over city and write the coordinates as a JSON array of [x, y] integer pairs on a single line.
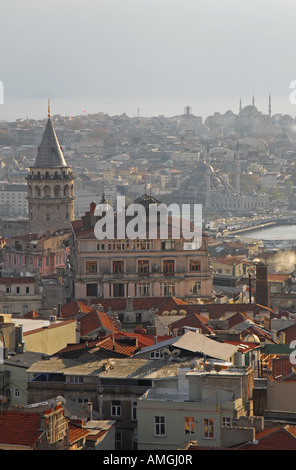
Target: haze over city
[[206, 54]]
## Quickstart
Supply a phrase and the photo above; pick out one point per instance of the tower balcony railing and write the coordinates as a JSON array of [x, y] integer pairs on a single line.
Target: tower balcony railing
[[50, 177]]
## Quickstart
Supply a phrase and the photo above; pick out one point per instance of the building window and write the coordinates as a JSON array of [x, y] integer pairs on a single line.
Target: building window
[[81, 401], [168, 289], [194, 265], [25, 309], [17, 392], [91, 290], [76, 379], [189, 425], [138, 317], [118, 267], [115, 408], [159, 425], [118, 441], [101, 247], [143, 266], [7, 392], [194, 287], [91, 266], [168, 245], [226, 421], [8, 289], [168, 267], [143, 289], [18, 289], [145, 244], [208, 428], [6, 309], [118, 290], [27, 290], [134, 411], [155, 355], [46, 191]]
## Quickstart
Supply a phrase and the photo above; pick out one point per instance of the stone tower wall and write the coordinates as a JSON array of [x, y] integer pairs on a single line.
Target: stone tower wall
[[50, 199]]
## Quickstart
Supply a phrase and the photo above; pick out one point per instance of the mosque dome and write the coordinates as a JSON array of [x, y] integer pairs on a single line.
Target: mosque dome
[[252, 338]]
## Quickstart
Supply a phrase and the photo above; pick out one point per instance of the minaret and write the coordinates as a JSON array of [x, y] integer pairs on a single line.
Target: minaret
[[240, 105], [208, 177], [253, 100], [50, 184], [269, 106], [237, 168]]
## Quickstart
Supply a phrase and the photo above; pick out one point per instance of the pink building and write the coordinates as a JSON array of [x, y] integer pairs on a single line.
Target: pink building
[[36, 254]]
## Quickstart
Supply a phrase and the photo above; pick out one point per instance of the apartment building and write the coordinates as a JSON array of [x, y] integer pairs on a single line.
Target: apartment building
[[143, 267], [13, 199], [36, 254], [213, 408], [19, 295]]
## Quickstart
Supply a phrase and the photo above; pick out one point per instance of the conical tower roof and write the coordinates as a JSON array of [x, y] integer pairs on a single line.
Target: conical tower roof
[[49, 153]]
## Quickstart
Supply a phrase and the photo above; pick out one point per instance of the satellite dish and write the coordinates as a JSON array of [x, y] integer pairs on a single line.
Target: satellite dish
[[176, 352], [217, 368], [166, 353], [209, 367]]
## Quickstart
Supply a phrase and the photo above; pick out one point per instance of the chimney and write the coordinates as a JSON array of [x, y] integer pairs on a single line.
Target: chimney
[[262, 287], [92, 207], [87, 410]]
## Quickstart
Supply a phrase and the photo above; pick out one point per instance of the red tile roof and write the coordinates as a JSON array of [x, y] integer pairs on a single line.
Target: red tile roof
[[74, 308], [278, 277], [276, 438], [281, 367], [76, 433], [17, 280], [163, 304], [96, 320], [31, 315], [117, 347], [19, 428], [193, 320], [290, 333]]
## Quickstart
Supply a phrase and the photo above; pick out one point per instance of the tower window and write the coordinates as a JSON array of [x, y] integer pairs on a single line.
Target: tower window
[[57, 191]]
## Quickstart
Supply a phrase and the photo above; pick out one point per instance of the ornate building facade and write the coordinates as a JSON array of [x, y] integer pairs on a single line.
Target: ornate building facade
[[143, 267]]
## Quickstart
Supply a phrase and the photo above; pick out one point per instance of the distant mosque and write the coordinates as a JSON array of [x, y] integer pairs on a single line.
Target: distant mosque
[[218, 193]]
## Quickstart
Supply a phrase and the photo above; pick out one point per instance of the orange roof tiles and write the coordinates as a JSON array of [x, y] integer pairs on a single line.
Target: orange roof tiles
[[119, 347], [31, 315], [192, 320], [76, 433], [290, 333], [94, 321], [281, 367], [74, 308], [19, 428], [276, 438]]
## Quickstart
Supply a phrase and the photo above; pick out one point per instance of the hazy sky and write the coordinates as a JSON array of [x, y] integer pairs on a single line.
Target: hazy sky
[[128, 48]]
